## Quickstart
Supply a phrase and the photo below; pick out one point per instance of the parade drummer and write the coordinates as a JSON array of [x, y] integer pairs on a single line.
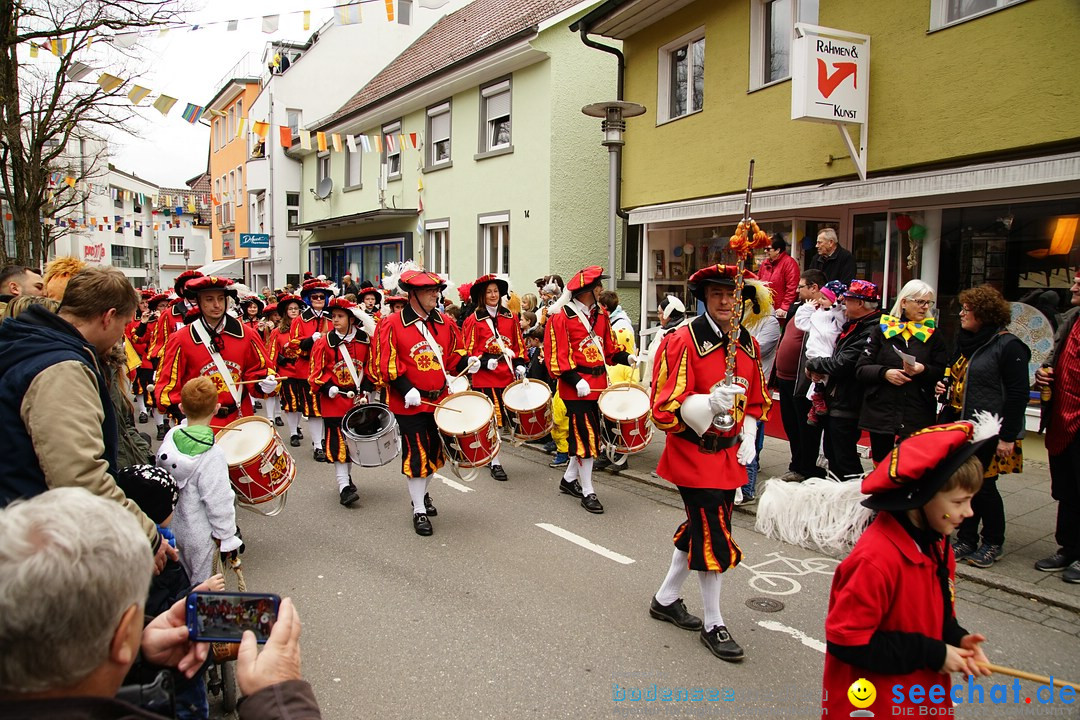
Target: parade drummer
[[313, 323], [338, 378], [251, 309], [492, 335], [169, 321], [217, 345], [417, 348], [369, 299], [294, 392], [706, 465], [578, 346], [137, 334], [270, 321]]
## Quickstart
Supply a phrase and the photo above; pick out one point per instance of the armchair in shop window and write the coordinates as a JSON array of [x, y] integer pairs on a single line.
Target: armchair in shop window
[[1056, 257]]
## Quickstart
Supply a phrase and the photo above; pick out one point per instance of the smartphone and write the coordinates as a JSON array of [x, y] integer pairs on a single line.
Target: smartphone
[[223, 617]]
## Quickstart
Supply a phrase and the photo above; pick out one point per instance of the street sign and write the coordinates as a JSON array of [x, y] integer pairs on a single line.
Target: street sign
[[254, 240]]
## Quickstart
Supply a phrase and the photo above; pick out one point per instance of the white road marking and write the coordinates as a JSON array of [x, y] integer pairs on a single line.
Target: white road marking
[[797, 634], [454, 484], [587, 544]]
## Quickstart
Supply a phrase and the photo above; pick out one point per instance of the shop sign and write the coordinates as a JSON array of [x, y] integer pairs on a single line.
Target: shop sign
[[830, 75], [94, 253]]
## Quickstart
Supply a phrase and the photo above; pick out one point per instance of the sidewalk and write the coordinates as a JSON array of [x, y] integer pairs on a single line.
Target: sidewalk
[[1029, 510]]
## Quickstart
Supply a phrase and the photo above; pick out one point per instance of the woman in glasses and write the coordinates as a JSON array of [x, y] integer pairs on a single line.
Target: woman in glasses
[[903, 361]]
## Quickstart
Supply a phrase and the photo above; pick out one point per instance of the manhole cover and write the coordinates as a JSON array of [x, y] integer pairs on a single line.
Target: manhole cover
[[764, 604]]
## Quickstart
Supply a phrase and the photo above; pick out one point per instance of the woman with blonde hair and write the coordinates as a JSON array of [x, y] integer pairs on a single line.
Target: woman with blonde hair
[[19, 304], [903, 361], [57, 274]]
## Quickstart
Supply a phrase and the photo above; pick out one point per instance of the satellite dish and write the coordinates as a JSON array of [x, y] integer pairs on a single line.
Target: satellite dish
[[325, 187]]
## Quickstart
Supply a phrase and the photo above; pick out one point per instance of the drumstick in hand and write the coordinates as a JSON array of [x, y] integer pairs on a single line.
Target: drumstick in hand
[[437, 405]]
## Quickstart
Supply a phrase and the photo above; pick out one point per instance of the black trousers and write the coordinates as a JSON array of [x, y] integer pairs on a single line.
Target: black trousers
[[841, 443], [988, 507], [790, 418], [809, 440], [1065, 488], [881, 444]]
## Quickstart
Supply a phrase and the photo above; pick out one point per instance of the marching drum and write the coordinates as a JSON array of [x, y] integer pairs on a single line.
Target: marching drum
[[528, 406], [260, 466], [458, 384], [627, 427], [468, 431], [371, 432]]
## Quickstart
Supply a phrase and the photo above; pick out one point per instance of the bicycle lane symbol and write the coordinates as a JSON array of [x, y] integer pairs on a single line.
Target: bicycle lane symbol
[[776, 576]]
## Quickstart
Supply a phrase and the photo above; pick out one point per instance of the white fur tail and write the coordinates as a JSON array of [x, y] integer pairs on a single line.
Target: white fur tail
[[822, 514]]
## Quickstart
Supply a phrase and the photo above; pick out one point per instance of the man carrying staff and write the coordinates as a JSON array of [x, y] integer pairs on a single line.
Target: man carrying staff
[[492, 335], [578, 346], [706, 465], [217, 345], [417, 350], [313, 323], [168, 322]]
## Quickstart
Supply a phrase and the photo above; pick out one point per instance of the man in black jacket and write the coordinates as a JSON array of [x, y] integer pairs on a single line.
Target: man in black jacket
[[833, 260], [843, 394]]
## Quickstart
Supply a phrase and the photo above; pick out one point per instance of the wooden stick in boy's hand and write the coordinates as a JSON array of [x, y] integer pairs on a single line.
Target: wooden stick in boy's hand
[[1023, 675]]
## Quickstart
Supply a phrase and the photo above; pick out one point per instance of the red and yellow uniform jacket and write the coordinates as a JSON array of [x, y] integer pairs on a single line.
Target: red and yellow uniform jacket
[[571, 353], [185, 358], [285, 355], [138, 335], [168, 322], [690, 361], [406, 361], [479, 340], [300, 333], [328, 369]]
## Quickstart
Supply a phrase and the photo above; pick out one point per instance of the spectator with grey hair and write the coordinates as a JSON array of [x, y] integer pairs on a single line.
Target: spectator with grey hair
[[833, 260], [72, 596]]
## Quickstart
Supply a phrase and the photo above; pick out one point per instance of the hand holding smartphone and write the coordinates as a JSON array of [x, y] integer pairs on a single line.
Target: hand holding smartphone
[[223, 617]]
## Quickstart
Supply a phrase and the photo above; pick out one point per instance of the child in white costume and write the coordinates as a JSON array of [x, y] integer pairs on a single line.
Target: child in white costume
[[821, 320], [205, 518]]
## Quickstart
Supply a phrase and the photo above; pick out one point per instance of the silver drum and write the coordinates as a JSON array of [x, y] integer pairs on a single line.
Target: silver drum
[[371, 432]]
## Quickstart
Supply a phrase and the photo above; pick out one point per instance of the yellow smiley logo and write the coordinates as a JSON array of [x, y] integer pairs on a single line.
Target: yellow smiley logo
[[862, 693]]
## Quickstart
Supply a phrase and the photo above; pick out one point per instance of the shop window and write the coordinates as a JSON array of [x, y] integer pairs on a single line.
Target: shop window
[[631, 265], [682, 76], [948, 12]]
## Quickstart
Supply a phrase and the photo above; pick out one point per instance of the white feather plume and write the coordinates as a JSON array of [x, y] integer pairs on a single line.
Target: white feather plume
[[451, 287], [367, 323], [674, 304], [822, 514], [984, 425], [560, 303], [392, 274]]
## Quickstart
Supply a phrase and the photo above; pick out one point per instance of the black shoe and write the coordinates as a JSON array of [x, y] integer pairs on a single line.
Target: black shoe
[[349, 495], [498, 473], [421, 524], [1056, 562], [721, 644], [258, 405], [676, 614], [571, 488], [300, 434], [294, 441], [592, 504], [1072, 573], [143, 418], [428, 507], [279, 422], [601, 463], [161, 430], [319, 455]]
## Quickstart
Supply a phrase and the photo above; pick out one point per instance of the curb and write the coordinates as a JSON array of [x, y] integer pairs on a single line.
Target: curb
[[988, 578]]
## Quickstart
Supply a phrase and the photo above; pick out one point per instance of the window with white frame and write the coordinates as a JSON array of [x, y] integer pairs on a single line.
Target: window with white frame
[[437, 247], [176, 244], [495, 244], [495, 110], [391, 154], [231, 127], [949, 12], [681, 76], [227, 245], [353, 165], [438, 134], [292, 208], [218, 132], [322, 166], [772, 31], [239, 117], [294, 121]]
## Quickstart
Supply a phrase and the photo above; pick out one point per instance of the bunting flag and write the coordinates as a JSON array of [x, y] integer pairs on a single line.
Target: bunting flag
[[365, 143], [138, 94], [350, 142], [378, 143], [125, 40], [390, 10], [336, 140], [240, 127], [78, 71], [192, 113], [307, 20], [305, 140], [70, 181], [216, 113], [412, 137], [320, 138], [34, 50], [109, 82], [285, 136], [347, 14], [270, 23], [260, 128], [232, 25], [164, 104]]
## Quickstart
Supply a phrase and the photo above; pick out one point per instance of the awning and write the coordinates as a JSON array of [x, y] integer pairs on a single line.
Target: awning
[[232, 268], [936, 184], [357, 218]]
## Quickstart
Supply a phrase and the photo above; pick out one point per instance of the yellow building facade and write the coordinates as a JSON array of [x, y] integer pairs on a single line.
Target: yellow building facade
[[228, 112]]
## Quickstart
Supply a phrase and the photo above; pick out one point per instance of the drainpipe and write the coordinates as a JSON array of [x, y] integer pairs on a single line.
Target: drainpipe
[[584, 34]]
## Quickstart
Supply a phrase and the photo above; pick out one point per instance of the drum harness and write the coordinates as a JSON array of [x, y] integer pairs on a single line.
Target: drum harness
[[436, 350], [223, 370], [498, 341], [344, 348]]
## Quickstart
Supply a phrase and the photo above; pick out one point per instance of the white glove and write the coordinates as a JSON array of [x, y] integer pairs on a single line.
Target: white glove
[[474, 365], [632, 359], [722, 397], [412, 398], [582, 388], [747, 449], [520, 371], [492, 363], [268, 384], [316, 335], [150, 388], [333, 392]]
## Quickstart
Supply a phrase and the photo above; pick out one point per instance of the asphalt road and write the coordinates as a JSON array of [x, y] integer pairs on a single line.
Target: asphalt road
[[495, 616]]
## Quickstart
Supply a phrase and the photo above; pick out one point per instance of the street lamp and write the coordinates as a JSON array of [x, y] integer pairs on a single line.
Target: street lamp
[[614, 114], [187, 256]]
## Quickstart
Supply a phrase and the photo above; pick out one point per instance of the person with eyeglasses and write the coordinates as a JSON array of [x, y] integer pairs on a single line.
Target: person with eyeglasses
[[903, 360]]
